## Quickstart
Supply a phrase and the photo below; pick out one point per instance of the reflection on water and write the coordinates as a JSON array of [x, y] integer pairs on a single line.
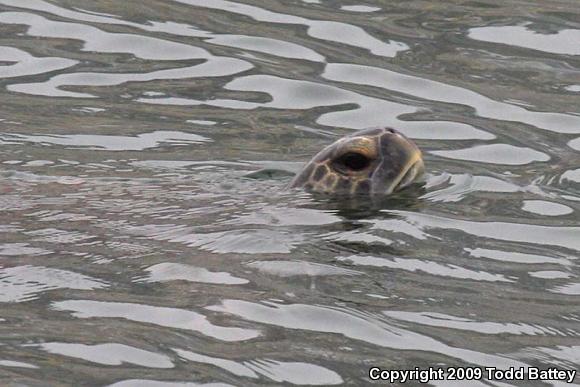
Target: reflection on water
[[137, 250], [554, 40]]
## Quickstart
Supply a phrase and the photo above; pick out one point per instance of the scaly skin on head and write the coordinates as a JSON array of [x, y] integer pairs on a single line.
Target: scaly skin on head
[[375, 161]]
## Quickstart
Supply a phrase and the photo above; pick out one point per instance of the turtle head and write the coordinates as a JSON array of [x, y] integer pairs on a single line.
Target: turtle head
[[371, 161]]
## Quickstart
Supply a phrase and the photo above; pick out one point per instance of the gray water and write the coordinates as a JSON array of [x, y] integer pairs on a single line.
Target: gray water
[[134, 252]]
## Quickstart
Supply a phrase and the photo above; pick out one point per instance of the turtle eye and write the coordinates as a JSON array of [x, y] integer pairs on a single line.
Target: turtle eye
[[352, 161]]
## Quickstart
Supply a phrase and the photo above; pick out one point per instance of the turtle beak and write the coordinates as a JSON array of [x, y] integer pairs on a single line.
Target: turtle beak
[[415, 170], [401, 165]]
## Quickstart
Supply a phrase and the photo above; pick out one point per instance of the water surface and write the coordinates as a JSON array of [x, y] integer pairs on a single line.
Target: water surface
[[134, 252]]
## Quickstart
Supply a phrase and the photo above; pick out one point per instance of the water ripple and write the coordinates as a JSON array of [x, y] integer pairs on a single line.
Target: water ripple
[[504, 154], [17, 249], [299, 268], [321, 29], [108, 142], [512, 256], [97, 40], [174, 271], [486, 327], [167, 317], [246, 241], [164, 383], [438, 91], [432, 268], [26, 64], [352, 325], [297, 373], [108, 354], [543, 207], [559, 42], [527, 233], [215, 68], [18, 364], [24, 283]]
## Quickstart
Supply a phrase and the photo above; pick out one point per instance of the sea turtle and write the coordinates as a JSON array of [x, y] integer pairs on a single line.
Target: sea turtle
[[375, 161]]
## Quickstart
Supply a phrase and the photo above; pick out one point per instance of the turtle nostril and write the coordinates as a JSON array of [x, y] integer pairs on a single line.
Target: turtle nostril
[[391, 130], [353, 162]]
